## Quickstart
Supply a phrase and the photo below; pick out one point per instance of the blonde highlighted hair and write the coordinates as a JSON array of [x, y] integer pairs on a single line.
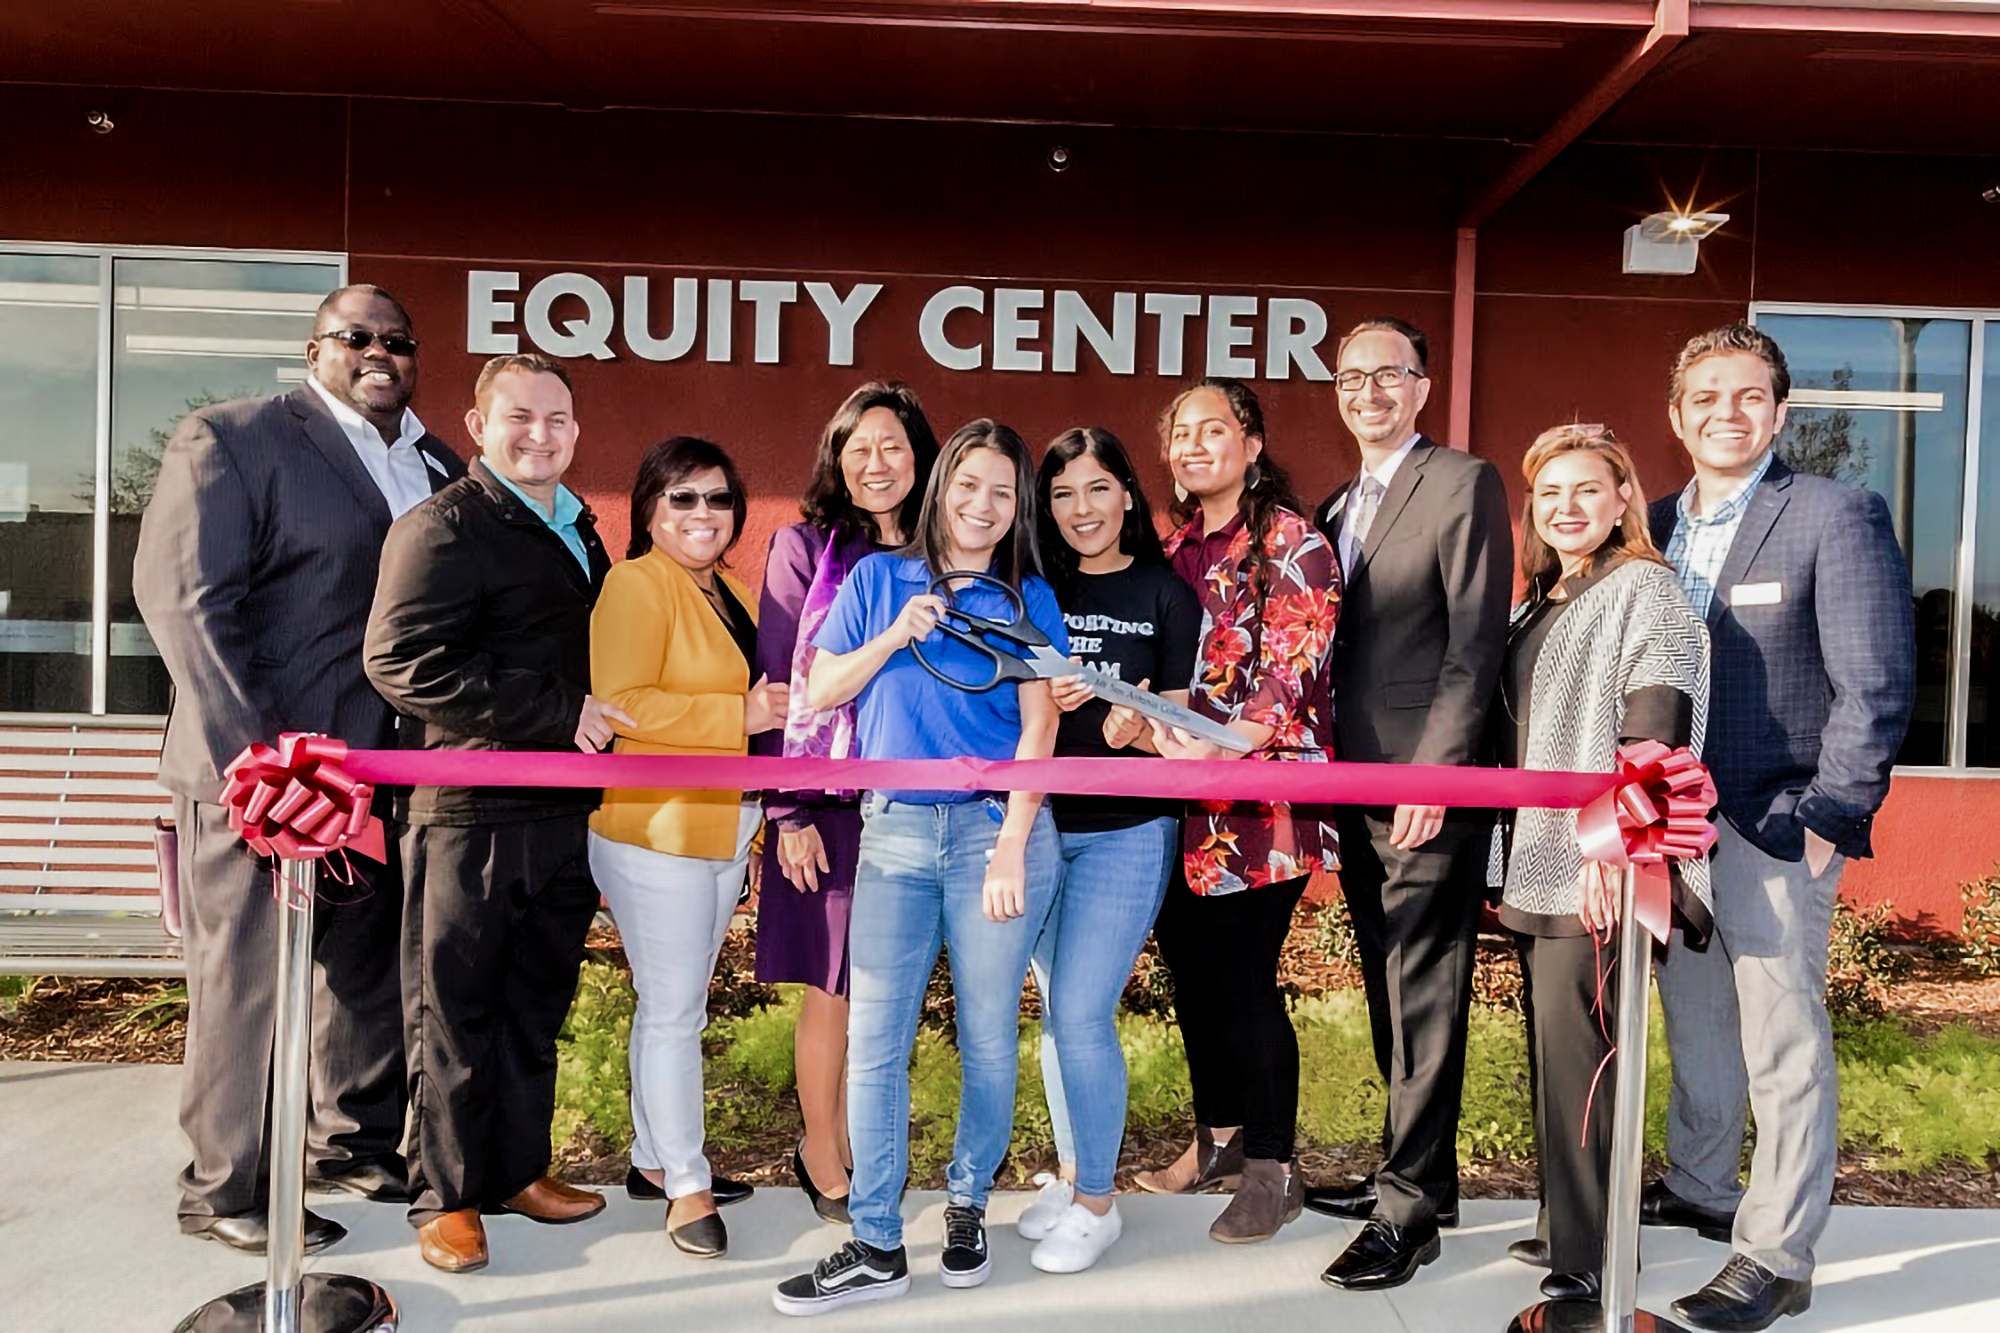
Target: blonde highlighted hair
[[1630, 540]]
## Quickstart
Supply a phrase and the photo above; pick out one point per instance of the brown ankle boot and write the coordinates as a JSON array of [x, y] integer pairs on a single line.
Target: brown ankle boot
[[1214, 1167], [1270, 1195]]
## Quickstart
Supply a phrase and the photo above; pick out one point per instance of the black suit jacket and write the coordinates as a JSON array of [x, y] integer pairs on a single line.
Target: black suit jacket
[[1423, 623], [480, 637], [255, 569]]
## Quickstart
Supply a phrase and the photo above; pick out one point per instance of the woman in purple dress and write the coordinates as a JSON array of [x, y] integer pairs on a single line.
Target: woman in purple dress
[[867, 484]]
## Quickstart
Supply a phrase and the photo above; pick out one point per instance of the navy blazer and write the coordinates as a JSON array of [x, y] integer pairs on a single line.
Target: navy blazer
[[256, 567], [1814, 668]]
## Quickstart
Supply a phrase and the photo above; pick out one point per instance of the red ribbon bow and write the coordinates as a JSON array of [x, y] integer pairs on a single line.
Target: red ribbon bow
[[1656, 813], [296, 801]]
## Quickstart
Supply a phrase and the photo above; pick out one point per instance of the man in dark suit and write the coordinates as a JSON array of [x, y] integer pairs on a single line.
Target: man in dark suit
[[1807, 598], [480, 638], [1426, 549], [256, 565]]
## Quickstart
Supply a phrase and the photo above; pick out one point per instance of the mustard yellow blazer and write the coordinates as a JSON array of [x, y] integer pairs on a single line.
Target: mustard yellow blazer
[[659, 651]]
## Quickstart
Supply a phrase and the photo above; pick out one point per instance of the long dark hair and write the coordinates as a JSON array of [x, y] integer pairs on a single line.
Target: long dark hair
[[1267, 487], [1013, 560], [1136, 535], [676, 460], [827, 504]]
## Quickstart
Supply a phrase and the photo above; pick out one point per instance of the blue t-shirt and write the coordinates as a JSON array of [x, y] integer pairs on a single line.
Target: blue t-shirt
[[907, 713]]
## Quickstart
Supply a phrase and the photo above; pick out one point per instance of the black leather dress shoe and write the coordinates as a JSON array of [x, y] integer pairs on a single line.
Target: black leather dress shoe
[[1744, 1297], [704, 1238], [1356, 1202], [1661, 1207], [249, 1233], [1570, 1286], [380, 1180], [725, 1190], [1534, 1252], [1383, 1255]]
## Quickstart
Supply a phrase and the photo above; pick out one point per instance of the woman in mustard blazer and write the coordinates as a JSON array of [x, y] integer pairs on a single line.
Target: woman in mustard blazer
[[671, 643]]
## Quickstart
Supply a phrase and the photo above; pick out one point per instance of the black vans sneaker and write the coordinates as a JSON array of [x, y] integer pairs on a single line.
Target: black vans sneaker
[[855, 1272], [965, 1262]]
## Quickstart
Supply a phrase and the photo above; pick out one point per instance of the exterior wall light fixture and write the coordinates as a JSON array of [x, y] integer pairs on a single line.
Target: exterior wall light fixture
[[1668, 242]]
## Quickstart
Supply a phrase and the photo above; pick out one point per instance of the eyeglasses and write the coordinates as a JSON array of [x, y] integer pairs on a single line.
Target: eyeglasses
[[683, 502], [1385, 377], [360, 340]]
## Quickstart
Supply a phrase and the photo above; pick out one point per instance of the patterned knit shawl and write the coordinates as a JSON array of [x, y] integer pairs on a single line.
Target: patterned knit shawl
[[812, 733]]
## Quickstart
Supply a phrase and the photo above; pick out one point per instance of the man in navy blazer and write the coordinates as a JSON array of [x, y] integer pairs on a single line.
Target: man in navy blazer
[[1807, 597]]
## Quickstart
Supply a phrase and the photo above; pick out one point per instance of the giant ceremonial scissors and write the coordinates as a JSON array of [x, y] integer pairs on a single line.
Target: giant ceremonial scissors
[[1028, 655]]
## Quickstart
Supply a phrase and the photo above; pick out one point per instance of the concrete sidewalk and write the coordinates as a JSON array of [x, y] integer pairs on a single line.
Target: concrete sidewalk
[[88, 1245]]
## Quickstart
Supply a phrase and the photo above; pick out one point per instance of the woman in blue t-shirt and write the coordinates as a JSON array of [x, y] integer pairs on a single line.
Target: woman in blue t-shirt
[[1132, 617], [962, 869]]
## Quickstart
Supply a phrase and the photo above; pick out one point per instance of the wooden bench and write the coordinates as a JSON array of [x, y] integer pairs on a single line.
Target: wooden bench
[[79, 887]]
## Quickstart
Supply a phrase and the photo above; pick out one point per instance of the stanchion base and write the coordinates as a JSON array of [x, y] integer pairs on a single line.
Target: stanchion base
[[1582, 1317], [328, 1303]]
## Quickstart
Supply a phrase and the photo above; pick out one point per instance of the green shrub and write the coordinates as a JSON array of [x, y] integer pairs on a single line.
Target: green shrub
[[1861, 963], [1341, 1099], [933, 1103], [1333, 932], [1915, 1103], [1979, 937], [758, 1047], [593, 1068]]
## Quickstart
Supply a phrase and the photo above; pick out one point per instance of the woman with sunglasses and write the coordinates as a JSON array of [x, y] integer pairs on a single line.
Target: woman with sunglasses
[[867, 485], [1270, 594], [1132, 618], [671, 642], [969, 870]]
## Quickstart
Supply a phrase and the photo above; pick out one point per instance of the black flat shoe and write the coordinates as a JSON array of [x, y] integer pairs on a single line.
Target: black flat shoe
[[830, 1210], [249, 1234], [1534, 1252], [725, 1190], [1384, 1255], [1355, 1202], [1745, 1297], [383, 1180], [1661, 1207], [1570, 1286], [704, 1238]]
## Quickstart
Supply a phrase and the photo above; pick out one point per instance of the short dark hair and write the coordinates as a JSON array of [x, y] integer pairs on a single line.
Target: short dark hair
[[827, 504], [1017, 555], [332, 299], [1420, 342], [1737, 337], [1137, 537], [527, 363], [675, 460]]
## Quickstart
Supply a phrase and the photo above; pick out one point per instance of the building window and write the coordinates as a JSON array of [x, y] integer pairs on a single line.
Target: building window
[[1900, 401], [102, 352]]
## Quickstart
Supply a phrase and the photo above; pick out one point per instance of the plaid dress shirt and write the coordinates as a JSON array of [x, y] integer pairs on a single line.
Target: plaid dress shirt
[[1701, 543]]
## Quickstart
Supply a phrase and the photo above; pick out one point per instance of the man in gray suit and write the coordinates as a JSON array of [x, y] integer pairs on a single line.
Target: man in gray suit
[[1427, 553], [1807, 598], [256, 566]]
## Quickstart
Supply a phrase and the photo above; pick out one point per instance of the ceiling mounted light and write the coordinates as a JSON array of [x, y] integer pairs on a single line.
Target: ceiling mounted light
[[1668, 242]]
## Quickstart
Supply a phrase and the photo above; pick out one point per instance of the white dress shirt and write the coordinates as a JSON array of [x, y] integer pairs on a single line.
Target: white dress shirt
[[1385, 472], [400, 470]]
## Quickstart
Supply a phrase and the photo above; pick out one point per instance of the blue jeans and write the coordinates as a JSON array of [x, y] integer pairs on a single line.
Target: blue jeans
[[918, 886], [1112, 885]]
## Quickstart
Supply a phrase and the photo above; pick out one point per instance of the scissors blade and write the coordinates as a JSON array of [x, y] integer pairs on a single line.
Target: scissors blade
[[1145, 702]]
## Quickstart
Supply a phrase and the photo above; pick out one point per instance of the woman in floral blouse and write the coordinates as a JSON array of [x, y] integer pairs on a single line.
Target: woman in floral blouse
[[1270, 593]]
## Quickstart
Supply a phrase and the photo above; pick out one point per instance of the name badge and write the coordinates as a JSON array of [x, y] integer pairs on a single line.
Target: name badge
[[1757, 594]]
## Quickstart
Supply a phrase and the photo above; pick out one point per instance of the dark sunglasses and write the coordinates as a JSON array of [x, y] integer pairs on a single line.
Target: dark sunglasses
[[684, 501], [360, 340]]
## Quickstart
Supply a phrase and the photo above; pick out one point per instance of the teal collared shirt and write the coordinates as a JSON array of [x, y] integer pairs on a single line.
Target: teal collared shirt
[[561, 517]]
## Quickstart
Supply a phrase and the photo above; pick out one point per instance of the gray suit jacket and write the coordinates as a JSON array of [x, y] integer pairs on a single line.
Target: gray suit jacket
[[1813, 676], [1423, 621], [255, 570]]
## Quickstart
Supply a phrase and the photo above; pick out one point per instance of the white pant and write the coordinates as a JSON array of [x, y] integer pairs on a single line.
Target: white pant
[[672, 914]]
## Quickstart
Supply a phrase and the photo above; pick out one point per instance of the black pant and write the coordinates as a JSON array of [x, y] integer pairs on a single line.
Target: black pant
[[492, 939], [1562, 981], [1242, 1054], [230, 942], [1415, 913]]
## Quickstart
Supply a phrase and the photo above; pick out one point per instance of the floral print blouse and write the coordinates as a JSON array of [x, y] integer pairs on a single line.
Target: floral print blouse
[[1268, 667]]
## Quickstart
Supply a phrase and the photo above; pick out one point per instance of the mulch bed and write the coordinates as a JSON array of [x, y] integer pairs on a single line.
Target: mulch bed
[[66, 1018]]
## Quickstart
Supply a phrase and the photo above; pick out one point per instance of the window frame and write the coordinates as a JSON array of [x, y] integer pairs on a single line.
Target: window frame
[[1965, 572], [107, 257]]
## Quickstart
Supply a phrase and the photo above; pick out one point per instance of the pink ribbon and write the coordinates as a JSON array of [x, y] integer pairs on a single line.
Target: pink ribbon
[[1656, 811], [298, 802]]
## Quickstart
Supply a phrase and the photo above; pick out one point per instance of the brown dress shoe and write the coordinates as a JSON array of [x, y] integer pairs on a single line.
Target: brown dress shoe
[[551, 1201], [1270, 1195], [455, 1241]]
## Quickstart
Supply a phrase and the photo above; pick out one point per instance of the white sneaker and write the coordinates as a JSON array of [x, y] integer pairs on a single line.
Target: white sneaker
[[1039, 1218], [1078, 1240]]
